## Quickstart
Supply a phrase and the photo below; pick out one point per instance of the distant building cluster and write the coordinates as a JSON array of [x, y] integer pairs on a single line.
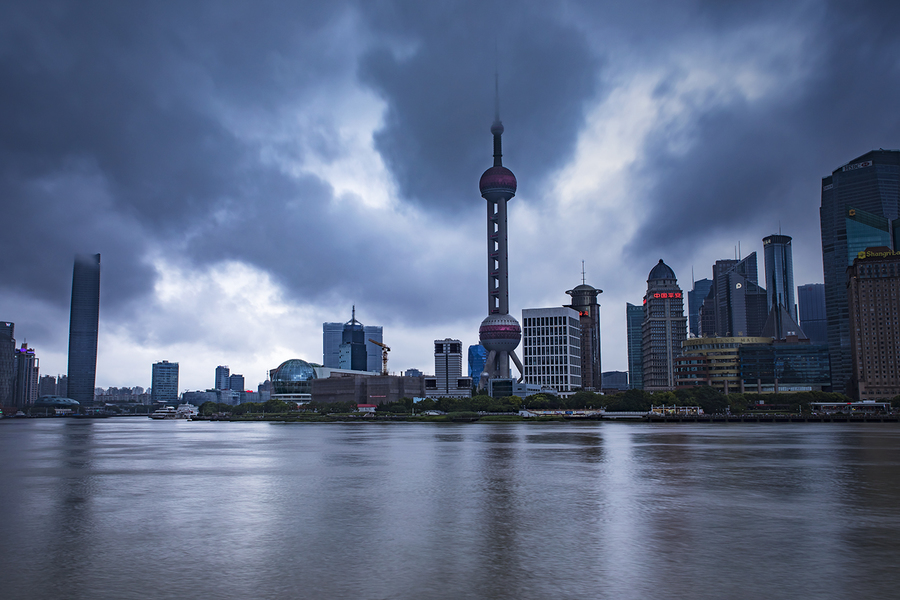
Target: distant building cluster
[[729, 332], [845, 334]]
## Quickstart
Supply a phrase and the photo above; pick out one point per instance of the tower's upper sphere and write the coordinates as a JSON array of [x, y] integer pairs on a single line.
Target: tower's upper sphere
[[498, 180], [497, 128], [499, 333]]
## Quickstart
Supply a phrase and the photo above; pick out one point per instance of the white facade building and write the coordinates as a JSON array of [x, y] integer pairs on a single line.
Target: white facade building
[[448, 381], [552, 348]]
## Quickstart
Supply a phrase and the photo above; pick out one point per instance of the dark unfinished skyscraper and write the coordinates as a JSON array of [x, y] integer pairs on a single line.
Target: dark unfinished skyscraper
[[868, 186], [84, 323]]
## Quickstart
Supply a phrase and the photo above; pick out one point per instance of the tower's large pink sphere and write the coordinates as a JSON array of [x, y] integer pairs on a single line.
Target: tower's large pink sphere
[[498, 180], [500, 333]]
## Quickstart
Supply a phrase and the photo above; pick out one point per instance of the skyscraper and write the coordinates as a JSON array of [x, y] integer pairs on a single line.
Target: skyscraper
[[499, 332], [368, 357], [84, 324], [373, 350], [781, 322], [27, 377], [695, 301], [736, 304], [634, 318], [222, 374], [779, 263], [164, 382], [663, 330], [447, 364], [874, 289], [870, 183], [552, 348], [7, 363], [47, 386], [477, 358], [811, 300], [353, 345], [584, 300], [236, 382], [331, 344]]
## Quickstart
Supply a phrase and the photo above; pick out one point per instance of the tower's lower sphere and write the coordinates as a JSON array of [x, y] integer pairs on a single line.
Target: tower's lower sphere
[[500, 333]]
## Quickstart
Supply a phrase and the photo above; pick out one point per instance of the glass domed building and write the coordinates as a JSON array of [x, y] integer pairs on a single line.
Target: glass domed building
[[292, 377], [51, 404]]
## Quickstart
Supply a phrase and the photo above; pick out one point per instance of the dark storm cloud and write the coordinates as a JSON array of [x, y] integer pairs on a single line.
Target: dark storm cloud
[[110, 139], [135, 130], [116, 137], [759, 162], [436, 137]]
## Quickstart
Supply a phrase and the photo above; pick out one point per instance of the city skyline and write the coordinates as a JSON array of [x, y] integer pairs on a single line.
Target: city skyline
[[332, 159]]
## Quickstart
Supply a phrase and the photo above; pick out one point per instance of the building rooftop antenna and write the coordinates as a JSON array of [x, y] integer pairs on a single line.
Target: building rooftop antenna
[[582, 273]]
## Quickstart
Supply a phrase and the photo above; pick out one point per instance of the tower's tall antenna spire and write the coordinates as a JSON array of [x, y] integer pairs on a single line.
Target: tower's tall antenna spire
[[497, 127], [582, 272], [496, 97]]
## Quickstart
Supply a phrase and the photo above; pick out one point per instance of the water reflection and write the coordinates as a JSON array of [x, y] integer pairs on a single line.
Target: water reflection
[[594, 510]]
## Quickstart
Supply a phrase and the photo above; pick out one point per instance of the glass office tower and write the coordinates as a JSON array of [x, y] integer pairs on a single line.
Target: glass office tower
[[869, 183], [779, 263], [811, 299], [84, 324], [634, 316]]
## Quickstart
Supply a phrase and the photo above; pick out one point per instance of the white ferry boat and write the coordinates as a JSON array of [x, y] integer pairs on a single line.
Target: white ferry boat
[[187, 411], [166, 412]]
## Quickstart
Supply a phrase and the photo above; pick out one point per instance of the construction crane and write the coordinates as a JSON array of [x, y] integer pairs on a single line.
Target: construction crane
[[384, 351]]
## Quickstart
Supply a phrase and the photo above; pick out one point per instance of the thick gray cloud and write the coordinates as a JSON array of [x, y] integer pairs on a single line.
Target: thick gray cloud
[[441, 98], [174, 130], [759, 162]]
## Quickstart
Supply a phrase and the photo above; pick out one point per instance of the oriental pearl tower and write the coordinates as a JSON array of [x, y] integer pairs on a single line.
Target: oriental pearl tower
[[499, 332]]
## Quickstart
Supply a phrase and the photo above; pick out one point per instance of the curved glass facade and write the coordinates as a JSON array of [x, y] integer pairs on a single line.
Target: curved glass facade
[[293, 377]]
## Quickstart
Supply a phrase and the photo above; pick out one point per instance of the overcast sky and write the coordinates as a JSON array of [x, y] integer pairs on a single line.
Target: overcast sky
[[250, 170]]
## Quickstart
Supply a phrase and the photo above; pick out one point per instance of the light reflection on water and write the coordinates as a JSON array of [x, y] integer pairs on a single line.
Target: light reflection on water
[[128, 508]]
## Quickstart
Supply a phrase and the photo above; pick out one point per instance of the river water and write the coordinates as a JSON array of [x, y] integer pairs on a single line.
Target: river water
[[134, 508]]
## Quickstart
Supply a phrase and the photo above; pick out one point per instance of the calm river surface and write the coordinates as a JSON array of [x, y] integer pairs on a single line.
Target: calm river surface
[[133, 508]]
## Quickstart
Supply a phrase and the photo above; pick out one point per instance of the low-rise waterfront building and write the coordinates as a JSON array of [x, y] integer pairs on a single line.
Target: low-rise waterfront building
[[712, 361]]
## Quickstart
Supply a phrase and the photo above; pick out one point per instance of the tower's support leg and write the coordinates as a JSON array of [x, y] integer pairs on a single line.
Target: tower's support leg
[[515, 359]]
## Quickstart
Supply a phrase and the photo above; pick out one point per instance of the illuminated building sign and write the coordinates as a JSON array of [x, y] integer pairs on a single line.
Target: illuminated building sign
[[877, 254], [666, 295], [859, 165]]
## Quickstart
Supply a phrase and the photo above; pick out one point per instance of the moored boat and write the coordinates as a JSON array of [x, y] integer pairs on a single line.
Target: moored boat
[[166, 412]]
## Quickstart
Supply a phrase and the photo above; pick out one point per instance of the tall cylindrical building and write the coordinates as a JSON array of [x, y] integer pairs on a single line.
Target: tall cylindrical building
[[779, 273], [584, 300]]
